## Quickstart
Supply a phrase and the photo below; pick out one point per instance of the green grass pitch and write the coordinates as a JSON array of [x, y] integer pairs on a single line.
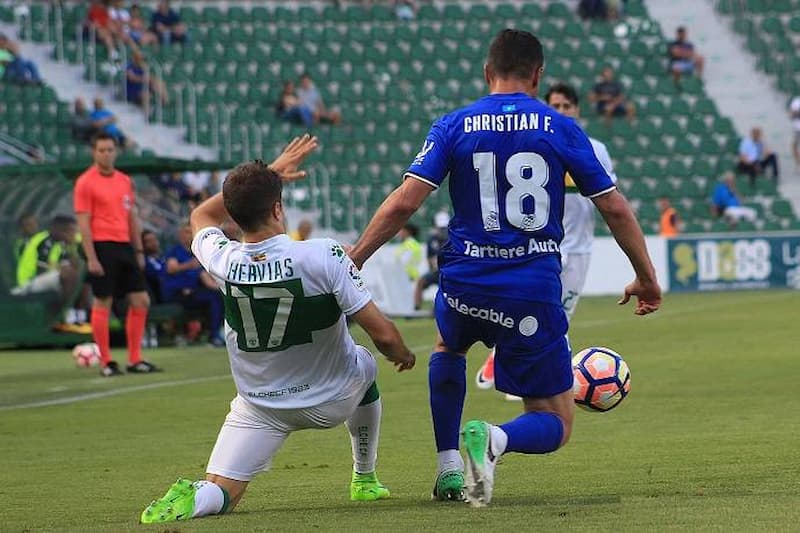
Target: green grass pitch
[[706, 441]]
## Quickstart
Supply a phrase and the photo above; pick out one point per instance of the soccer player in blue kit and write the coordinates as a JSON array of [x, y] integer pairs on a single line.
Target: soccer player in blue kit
[[506, 155]]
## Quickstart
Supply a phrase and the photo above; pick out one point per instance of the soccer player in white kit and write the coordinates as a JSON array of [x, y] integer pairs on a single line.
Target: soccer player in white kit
[[579, 223], [293, 360]]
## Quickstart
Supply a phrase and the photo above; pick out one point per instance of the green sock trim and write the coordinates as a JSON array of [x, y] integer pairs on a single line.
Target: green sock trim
[[226, 501], [372, 395]]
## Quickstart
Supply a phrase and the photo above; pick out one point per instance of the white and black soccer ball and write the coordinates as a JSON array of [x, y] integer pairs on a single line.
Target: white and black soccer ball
[[86, 355], [602, 379]]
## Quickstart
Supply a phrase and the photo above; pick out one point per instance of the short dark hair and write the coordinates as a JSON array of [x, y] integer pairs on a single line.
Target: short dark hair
[[412, 230], [568, 91], [102, 136], [515, 54], [146, 232], [62, 221], [249, 193]]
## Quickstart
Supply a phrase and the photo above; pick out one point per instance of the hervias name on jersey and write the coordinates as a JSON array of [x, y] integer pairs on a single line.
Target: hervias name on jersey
[[262, 272]]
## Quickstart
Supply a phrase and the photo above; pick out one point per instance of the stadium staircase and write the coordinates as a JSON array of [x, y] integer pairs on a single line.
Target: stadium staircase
[[391, 78], [735, 78]]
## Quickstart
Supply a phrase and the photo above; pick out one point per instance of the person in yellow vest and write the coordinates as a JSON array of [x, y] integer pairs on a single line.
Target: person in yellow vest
[[48, 263], [303, 231], [670, 221], [410, 252]]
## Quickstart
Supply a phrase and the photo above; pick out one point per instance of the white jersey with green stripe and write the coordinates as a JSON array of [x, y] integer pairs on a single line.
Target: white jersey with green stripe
[[285, 326], [579, 217]]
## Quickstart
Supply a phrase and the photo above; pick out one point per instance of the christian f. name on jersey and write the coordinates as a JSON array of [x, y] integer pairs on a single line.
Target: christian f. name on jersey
[[506, 155]]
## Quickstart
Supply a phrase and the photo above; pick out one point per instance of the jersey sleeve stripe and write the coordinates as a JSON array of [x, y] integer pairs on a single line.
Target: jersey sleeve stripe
[[601, 193], [420, 178]]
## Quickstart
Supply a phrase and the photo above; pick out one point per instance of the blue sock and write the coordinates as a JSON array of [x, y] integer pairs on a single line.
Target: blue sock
[[447, 380], [534, 433]]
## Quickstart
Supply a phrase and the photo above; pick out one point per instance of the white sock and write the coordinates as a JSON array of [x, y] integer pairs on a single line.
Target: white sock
[[499, 440], [364, 426], [71, 316], [450, 460], [81, 317], [209, 499]]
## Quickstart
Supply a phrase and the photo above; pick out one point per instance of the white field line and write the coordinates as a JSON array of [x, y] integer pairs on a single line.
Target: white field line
[[125, 390]]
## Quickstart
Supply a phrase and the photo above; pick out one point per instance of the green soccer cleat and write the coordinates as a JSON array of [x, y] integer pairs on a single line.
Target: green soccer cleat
[[449, 486], [476, 437], [367, 488], [177, 504]]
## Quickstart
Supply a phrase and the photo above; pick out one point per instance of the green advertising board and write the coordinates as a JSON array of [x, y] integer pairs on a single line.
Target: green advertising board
[[734, 262]]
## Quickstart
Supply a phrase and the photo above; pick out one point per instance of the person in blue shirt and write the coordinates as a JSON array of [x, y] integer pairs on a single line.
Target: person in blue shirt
[[506, 155], [186, 283], [166, 23], [154, 265], [727, 203], [104, 119]]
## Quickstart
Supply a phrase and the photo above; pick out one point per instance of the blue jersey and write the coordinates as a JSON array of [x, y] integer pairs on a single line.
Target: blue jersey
[[507, 155]]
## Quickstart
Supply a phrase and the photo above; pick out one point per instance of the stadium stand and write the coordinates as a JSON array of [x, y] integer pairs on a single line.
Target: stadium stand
[[392, 77], [771, 29]]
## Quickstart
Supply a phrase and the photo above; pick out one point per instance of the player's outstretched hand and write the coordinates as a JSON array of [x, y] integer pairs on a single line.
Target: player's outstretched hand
[[404, 361], [648, 295], [293, 156]]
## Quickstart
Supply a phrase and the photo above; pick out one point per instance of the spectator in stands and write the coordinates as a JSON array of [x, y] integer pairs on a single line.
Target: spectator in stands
[[670, 221], [310, 97], [186, 283], [98, 22], [682, 57], [609, 97], [409, 254], [49, 263], [141, 84], [104, 120], [121, 29], [593, 9], [436, 241], [167, 25], [138, 30], [289, 108], [81, 124], [27, 227], [726, 202], [755, 158], [303, 231], [794, 113], [405, 9], [13, 67], [154, 265], [197, 184]]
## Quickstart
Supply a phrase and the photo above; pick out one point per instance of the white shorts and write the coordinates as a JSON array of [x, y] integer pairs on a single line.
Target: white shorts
[[45, 282], [250, 436], [573, 276]]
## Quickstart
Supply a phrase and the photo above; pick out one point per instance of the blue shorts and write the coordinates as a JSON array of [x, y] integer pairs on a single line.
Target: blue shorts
[[532, 356]]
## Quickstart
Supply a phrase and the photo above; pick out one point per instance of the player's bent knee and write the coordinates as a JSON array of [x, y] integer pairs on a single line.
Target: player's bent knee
[[140, 299]]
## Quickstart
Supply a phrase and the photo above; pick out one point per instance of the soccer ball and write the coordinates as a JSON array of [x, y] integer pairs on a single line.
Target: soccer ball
[[86, 355], [602, 379]]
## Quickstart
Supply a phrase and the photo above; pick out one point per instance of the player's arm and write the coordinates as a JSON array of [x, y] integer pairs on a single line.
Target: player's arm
[[390, 217], [623, 225], [594, 181], [426, 173], [212, 212], [386, 337]]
